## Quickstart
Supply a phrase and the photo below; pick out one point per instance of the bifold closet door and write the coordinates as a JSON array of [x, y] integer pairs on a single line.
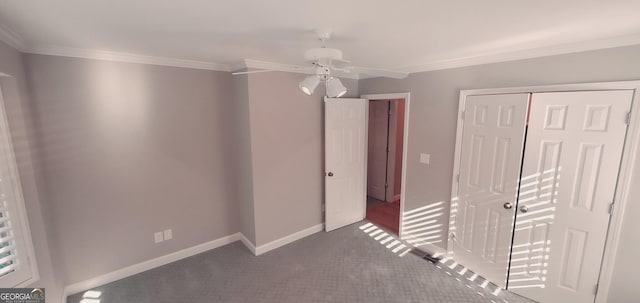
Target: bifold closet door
[[482, 212], [570, 169]]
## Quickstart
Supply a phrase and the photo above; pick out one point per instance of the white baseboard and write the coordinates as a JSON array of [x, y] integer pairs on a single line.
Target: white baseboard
[[64, 295], [185, 253], [248, 244], [287, 239], [147, 265]]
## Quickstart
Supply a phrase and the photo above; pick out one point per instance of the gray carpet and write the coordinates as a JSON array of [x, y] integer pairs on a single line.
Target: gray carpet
[[346, 265]]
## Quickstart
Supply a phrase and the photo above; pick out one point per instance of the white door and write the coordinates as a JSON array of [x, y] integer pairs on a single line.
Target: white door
[[482, 214], [378, 149], [573, 151], [345, 129]]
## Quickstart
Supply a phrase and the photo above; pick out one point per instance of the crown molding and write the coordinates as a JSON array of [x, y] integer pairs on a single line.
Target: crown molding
[[125, 57], [496, 57], [290, 68], [11, 38], [14, 40]]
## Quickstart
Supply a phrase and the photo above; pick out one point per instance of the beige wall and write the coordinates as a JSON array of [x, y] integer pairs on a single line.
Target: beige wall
[[244, 172], [624, 285], [129, 150], [287, 153], [21, 123], [432, 128]]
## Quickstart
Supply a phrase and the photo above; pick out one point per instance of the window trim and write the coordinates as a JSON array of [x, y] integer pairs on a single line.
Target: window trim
[[8, 80]]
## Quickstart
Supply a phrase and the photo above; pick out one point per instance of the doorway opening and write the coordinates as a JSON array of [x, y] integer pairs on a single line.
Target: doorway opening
[[385, 150]]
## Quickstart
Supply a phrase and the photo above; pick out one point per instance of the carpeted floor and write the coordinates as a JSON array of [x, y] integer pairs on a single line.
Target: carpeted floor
[[346, 265]]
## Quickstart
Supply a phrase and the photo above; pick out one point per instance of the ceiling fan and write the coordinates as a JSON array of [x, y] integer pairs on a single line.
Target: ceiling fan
[[324, 62]]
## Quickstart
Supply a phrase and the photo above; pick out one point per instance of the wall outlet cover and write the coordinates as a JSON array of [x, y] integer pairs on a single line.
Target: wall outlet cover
[[158, 237], [168, 234], [425, 158]]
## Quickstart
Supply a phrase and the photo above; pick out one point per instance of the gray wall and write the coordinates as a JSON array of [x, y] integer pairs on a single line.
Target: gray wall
[[129, 150], [624, 285], [432, 128], [21, 124], [287, 136], [244, 173]]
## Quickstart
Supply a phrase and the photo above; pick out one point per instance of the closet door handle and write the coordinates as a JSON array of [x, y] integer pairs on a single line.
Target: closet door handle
[[524, 209], [330, 174], [507, 205]]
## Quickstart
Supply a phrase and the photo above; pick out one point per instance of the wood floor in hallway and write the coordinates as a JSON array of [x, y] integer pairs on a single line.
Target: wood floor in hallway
[[384, 214]]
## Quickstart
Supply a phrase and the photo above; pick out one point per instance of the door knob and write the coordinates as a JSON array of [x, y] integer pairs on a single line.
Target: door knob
[[524, 208], [507, 205], [330, 174]]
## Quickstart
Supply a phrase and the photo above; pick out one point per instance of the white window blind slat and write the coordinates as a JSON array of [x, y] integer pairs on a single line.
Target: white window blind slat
[[8, 258], [6, 248], [7, 270]]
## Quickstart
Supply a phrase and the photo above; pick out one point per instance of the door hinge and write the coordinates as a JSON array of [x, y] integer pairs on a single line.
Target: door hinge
[[323, 207], [611, 208], [462, 115], [628, 118], [386, 185], [595, 289], [458, 178]]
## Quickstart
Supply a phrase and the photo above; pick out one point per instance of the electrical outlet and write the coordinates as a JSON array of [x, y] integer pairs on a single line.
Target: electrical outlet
[[425, 158], [158, 237], [168, 234]]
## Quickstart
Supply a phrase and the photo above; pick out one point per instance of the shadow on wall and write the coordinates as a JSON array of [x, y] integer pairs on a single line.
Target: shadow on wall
[[421, 227]]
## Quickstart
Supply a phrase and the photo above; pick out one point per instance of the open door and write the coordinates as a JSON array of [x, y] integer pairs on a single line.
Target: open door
[[345, 123]]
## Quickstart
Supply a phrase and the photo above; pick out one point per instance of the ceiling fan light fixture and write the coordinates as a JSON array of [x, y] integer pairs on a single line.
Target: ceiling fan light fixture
[[309, 84], [335, 88]]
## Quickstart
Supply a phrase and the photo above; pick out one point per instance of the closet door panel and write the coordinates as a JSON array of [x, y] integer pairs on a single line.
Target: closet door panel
[[570, 169], [491, 152]]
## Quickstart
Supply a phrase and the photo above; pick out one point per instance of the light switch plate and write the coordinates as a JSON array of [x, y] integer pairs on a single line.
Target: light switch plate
[[425, 158], [158, 237], [168, 234]]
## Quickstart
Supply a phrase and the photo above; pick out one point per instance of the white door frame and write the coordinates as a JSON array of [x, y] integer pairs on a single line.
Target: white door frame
[[406, 97], [631, 148]]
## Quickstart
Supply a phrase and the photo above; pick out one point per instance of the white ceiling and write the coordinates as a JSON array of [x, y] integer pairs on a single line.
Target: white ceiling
[[408, 35]]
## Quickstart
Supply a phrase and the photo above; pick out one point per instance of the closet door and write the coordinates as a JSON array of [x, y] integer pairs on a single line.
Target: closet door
[[570, 168], [482, 210]]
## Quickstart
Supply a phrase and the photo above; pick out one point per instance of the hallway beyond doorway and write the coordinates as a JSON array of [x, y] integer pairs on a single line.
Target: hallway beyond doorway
[[384, 214]]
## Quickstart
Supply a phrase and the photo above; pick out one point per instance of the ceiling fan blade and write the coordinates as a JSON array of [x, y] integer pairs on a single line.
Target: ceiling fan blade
[[380, 72], [253, 72], [289, 68]]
